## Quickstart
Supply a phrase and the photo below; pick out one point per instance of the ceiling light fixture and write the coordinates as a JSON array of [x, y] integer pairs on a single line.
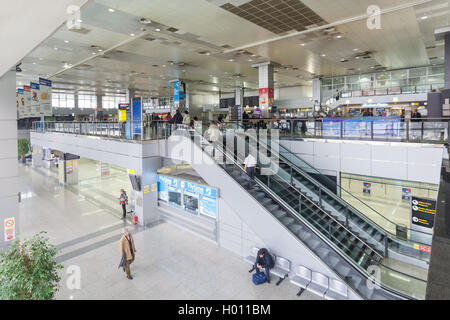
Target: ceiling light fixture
[[66, 41], [303, 44], [158, 29], [424, 17], [231, 60], [355, 49], [323, 55], [111, 10], [132, 34]]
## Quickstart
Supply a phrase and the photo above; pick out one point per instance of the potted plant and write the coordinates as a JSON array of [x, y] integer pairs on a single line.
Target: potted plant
[[29, 271], [24, 148]]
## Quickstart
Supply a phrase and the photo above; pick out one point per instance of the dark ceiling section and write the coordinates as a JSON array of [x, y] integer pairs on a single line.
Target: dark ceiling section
[[278, 16]]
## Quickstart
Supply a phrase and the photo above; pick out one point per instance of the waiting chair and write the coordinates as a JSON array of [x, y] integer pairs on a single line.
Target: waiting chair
[[319, 284], [301, 279], [281, 269], [337, 290]]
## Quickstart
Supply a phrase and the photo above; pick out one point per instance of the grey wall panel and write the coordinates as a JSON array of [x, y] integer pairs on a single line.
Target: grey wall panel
[[8, 148], [9, 187]]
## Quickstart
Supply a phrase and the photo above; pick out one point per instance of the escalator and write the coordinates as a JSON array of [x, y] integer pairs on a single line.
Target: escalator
[[356, 262], [324, 192]]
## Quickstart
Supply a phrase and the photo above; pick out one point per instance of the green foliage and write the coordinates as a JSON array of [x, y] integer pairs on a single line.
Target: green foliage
[[24, 147], [29, 271]]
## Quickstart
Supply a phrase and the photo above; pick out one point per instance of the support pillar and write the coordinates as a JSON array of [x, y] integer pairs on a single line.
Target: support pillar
[[266, 88], [438, 101], [9, 164], [235, 112], [146, 200]]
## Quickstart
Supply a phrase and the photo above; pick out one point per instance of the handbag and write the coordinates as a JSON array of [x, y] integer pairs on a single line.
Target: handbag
[[259, 278]]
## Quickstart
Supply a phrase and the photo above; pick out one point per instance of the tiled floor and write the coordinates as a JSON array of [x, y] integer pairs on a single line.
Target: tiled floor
[[83, 221]]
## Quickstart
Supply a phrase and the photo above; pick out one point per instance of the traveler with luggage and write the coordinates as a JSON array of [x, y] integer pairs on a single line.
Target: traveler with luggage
[[264, 261], [128, 252]]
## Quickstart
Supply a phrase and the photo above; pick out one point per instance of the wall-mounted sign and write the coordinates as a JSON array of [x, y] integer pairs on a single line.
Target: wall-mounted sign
[[146, 189], [423, 212], [367, 188], [27, 101], [406, 194], [9, 226]]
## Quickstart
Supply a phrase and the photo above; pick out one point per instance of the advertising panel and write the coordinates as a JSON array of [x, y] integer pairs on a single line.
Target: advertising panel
[[9, 229], [35, 100], [21, 103], [46, 97], [193, 198], [362, 127], [27, 101], [137, 116]]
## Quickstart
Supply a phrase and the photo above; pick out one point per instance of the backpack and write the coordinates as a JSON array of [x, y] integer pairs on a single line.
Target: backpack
[[259, 278], [126, 199]]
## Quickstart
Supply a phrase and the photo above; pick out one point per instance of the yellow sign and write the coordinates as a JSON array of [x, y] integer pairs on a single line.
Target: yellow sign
[[146, 189], [122, 115], [154, 187], [131, 171]]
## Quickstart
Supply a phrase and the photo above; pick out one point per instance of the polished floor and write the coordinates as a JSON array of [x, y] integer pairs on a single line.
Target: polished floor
[[84, 222]]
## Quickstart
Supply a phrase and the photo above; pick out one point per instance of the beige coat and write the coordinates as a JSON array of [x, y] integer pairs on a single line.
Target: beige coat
[[125, 247]]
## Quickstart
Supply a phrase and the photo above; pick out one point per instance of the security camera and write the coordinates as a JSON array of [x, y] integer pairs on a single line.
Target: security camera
[[18, 69]]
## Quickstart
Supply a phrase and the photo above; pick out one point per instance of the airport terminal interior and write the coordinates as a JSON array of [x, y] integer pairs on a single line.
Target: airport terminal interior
[[225, 150]]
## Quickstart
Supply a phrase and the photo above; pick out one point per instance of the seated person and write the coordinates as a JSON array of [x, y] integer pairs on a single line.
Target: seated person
[[263, 260]]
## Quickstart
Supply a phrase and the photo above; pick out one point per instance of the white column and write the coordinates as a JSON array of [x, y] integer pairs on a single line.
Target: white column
[[316, 91], [9, 185]]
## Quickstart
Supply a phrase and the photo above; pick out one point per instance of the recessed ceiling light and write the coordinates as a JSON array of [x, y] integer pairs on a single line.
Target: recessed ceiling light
[[111, 10], [355, 49], [424, 17], [55, 48], [94, 53], [231, 60], [66, 41], [164, 65], [253, 55], [34, 62], [338, 37], [250, 60], [323, 55], [303, 44], [100, 50], [158, 29], [356, 58], [132, 34]]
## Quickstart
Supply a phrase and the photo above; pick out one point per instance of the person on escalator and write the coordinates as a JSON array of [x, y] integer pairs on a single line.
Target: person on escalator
[[250, 168], [263, 261], [213, 135]]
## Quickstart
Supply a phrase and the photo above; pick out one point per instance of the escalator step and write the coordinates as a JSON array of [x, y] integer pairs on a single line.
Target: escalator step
[[296, 228], [287, 221]]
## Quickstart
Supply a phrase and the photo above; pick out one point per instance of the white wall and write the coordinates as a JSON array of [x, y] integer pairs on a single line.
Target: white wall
[[403, 161], [24, 24]]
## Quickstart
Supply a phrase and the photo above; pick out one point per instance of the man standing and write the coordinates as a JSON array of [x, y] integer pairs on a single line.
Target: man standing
[[123, 202], [250, 167], [128, 251]]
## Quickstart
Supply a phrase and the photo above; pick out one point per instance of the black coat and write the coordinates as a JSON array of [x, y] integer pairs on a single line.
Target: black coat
[[178, 118]]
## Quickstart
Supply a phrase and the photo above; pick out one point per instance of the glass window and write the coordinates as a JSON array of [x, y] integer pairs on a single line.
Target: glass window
[[417, 72], [86, 101], [326, 82], [353, 79], [399, 75], [112, 102], [63, 100], [436, 70], [338, 81]]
